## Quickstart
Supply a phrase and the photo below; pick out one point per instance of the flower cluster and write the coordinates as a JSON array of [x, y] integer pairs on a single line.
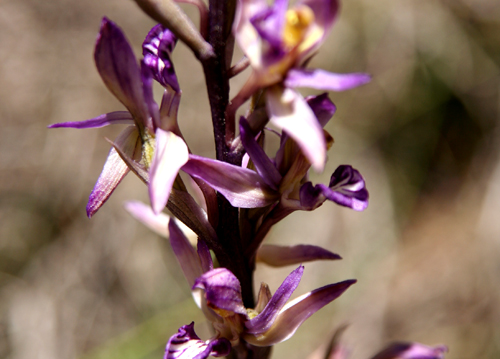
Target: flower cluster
[[254, 189]]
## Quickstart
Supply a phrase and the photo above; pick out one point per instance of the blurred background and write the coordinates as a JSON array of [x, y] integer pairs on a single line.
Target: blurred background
[[424, 134]]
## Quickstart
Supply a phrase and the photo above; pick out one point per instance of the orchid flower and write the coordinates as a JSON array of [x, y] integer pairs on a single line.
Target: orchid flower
[[152, 146], [278, 41], [283, 179], [218, 293]]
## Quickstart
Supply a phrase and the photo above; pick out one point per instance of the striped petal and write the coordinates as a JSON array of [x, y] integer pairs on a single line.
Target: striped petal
[[187, 345], [114, 170]]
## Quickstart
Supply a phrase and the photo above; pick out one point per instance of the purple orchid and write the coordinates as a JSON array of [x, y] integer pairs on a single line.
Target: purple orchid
[[278, 42], [218, 293], [283, 179], [153, 146]]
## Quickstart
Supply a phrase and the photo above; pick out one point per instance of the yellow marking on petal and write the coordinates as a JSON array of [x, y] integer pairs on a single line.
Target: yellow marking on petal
[[296, 24], [252, 313], [148, 149]]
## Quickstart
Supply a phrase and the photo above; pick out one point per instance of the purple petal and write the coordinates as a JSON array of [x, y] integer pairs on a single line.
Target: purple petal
[[324, 80], [264, 166], [187, 345], [114, 170], [266, 318], [279, 256], [171, 153], [322, 107], [289, 111], [412, 351], [269, 24], [112, 118], [185, 253], [347, 188], [242, 187], [205, 257], [222, 291], [157, 49], [296, 312], [118, 68], [325, 12]]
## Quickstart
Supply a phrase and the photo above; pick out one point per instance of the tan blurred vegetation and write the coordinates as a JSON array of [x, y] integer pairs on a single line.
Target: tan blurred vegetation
[[424, 134]]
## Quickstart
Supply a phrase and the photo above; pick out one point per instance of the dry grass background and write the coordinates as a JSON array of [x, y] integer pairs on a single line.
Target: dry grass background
[[424, 134]]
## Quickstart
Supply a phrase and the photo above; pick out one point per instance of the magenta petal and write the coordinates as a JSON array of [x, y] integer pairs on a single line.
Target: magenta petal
[[296, 312], [322, 107], [118, 68], [289, 111], [266, 318], [187, 345], [347, 188], [325, 12], [279, 256], [222, 290], [112, 118], [412, 351], [171, 153], [324, 80], [242, 187], [264, 166], [185, 253]]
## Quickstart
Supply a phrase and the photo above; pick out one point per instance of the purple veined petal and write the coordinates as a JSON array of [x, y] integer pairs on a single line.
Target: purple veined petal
[[205, 257], [116, 63], [222, 291], [262, 322], [323, 108], [289, 111], [157, 49], [346, 188], [265, 168], [296, 312], [171, 153], [242, 187], [279, 256], [412, 351], [324, 80], [184, 251], [114, 169], [112, 118], [187, 345]]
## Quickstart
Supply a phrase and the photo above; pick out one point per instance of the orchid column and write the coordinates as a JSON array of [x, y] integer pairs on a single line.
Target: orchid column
[[245, 190]]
